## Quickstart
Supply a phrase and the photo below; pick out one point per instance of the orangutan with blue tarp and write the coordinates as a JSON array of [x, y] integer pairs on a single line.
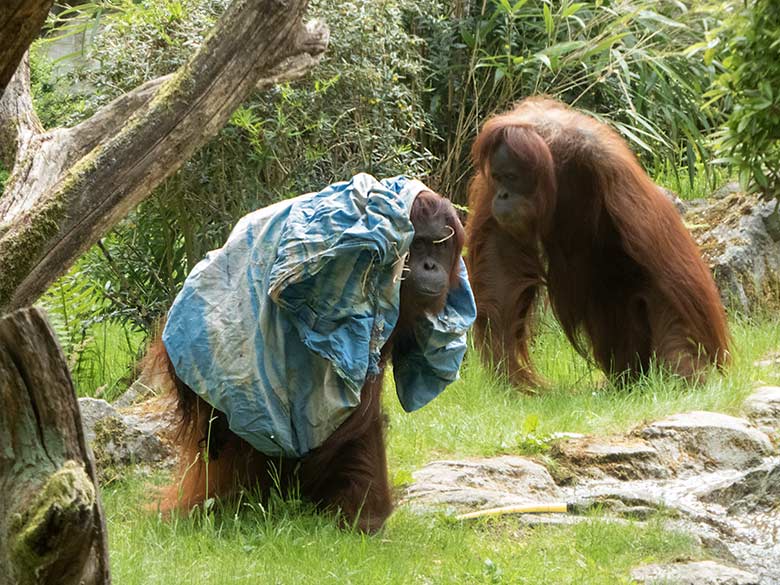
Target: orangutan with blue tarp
[[277, 343]]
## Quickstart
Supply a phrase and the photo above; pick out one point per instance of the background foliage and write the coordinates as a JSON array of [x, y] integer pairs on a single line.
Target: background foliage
[[623, 61], [748, 41]]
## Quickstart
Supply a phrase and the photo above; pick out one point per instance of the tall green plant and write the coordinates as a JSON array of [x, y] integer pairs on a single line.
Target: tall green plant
[[621, 60], [749, 43]]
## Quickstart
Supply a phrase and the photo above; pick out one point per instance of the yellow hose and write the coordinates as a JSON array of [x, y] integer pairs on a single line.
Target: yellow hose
[[526, 509]]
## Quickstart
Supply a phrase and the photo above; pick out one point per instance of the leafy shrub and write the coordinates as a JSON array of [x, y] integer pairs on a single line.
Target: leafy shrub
[[55, 105], [749, 43], [623, 61], [362, 109]]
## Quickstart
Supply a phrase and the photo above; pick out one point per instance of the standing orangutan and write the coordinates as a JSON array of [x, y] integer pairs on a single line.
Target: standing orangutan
[[275, 349], [560, 200]]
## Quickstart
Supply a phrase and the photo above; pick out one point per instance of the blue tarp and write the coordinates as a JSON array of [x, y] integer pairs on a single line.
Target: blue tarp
[[281, 326]]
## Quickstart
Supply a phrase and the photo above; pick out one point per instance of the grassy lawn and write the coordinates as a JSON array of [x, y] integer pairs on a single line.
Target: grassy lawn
[[479, 415], [285, 543]]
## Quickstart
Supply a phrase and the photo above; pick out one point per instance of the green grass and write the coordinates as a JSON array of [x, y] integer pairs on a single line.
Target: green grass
[[286, 543], [102, 362], [480, 415], [705, 181]]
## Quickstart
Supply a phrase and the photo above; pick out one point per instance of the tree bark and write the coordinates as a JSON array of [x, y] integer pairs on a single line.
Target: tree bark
[[52, 528], [18, 123], [70, 186], [20, 23]]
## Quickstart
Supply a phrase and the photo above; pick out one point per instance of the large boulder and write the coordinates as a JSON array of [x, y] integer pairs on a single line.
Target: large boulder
[[121, 439], [482, 483], [739, 237], [700, 440], [618, 457], [715, 477], [763, 408]]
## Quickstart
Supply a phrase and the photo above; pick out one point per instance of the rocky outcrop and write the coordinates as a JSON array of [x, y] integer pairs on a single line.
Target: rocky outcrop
[[739, 237], [763, 408], [122, 438], [698, 441], [622, 458], [484, 483]]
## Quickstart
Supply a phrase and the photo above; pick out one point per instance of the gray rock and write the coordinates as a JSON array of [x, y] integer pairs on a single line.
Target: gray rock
[[705, 536], [727, 189], [707, 492], [732, 512], [756, 490], [769, 362], [137, 392], [693, 573], [117, 439], [763, 408], [484, 483], [735, 235], [94, 410], [618, 457], [712, 476], [707, 440], [674, 198], [772, 225]]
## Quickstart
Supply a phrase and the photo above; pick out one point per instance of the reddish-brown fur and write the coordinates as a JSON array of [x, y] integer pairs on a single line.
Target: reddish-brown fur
[[348, 472], [624, 277]]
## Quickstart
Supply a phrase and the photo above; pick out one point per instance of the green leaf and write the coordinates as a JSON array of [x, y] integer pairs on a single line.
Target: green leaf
[[561, 49], [761, 104], [572, 9], [691, 156], [634, 138], [518, 5], [468, 37], [604, 45], [744, 177], [549, 25], [654, 16], [544, 59]]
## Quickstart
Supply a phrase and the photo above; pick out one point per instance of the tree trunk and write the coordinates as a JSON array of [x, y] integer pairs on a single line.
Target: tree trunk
[[52, 528], [20, 22], [70, 186]]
